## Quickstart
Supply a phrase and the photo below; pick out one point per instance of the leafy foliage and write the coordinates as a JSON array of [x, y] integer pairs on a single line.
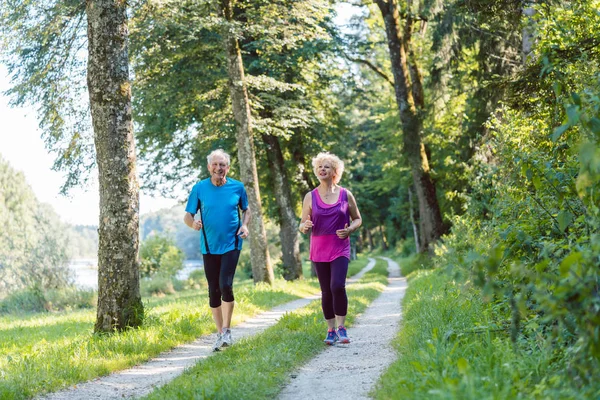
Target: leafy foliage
[[530, 238], [159, 255], [33, 247]]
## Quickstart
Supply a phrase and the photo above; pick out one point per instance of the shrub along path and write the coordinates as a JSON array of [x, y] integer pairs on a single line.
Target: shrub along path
[[143, 379], [350, 371]]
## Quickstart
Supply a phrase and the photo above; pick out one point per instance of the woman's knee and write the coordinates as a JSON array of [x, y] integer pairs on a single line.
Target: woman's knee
[[338, 289]]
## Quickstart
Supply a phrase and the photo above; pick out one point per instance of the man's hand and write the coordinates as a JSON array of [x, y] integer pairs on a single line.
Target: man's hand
[[243, 232], [197, 225], [343, 233]]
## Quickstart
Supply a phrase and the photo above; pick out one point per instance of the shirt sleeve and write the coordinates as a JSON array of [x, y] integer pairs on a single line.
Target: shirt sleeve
[[244, 199], [192, 203]]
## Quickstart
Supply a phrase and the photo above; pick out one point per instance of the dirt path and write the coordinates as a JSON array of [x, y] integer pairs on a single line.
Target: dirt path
[[143, 379], [350, 371]]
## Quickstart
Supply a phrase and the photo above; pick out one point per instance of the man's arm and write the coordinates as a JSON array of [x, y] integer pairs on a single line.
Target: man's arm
[[191, 222], [243, 231]]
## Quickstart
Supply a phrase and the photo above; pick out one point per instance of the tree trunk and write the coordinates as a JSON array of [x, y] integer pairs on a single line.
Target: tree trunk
[[412, 220], [430, 216], [262, 270], [119, 302], [290, 246], [384, 244], [528, 33], [306, 174]]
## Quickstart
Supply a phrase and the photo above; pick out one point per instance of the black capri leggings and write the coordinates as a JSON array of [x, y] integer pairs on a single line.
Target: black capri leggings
[[219, 270]]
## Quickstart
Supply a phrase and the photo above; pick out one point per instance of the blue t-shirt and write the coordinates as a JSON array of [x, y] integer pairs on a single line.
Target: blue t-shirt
[[219, 213]]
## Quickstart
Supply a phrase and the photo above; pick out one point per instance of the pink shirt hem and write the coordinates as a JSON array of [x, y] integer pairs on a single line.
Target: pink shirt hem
[[326, 248]]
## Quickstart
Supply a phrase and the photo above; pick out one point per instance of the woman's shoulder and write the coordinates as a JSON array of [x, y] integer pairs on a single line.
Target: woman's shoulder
[[309, 194]]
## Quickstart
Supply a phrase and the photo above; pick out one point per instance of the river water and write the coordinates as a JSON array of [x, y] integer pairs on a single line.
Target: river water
[[86, 271]]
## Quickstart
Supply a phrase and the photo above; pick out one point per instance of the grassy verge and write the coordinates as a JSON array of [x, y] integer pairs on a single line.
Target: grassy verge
[[46, 352], [451, 346], [257, 367]]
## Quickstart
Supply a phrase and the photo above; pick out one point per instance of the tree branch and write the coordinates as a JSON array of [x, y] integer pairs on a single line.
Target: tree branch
[[374, 67]]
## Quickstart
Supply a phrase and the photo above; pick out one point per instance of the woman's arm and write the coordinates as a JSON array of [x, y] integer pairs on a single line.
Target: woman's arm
[[306, 222]]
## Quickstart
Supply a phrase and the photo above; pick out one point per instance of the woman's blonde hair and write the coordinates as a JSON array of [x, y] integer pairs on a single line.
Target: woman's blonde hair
[[336, 164]]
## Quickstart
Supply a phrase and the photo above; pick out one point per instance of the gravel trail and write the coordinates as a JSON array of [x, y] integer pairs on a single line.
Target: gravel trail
[[349, 371], [143, 379]]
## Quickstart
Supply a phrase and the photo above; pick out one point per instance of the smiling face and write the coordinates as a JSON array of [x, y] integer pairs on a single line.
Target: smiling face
[[325, 170], [218, 168], [327, 166]]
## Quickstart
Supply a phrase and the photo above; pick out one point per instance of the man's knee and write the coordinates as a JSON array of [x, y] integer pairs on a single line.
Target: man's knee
[[214, 297], [227, 293]]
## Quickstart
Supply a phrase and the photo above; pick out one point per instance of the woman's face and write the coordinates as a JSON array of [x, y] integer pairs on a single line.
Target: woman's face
[[325, 170], [218, 167]]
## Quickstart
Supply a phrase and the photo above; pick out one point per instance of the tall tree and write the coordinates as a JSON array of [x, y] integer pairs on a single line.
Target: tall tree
[[408, 88], [262, 270], [42, 43], [182, 115], [288, 233], [119, 300]]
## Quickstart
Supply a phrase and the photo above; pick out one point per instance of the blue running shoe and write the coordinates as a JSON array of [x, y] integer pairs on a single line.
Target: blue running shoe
[[342, 335], [331, 338]]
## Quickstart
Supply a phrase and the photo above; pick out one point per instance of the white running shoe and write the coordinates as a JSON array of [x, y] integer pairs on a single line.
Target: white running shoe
[[227, 340], [219, 342]]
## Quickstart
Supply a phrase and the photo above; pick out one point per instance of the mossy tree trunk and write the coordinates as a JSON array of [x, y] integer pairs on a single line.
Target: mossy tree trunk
[[409, 96], [119, 301]]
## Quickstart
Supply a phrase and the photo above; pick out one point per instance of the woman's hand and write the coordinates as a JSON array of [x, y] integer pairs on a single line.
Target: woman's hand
[[343, 233], [306, 225]]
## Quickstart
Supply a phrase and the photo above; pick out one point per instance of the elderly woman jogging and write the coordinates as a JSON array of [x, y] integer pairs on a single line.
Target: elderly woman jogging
[[331, 214]]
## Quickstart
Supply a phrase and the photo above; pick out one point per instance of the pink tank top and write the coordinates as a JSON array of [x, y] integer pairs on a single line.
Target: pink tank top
[[325, 245]]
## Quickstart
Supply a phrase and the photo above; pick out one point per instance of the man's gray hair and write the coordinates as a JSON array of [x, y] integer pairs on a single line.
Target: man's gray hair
[[218, 152]]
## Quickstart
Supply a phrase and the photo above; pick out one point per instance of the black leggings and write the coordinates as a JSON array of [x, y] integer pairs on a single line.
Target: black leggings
[[219, 270], [332, 279]]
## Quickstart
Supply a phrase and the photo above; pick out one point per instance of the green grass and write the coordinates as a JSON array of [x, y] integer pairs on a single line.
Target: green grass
[[451, 346], [257, 367], [45, 352]]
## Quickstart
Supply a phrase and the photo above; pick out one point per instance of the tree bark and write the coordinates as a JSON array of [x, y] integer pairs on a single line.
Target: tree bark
[[412, 221], [262, 270], [407, 87], [384, 244], [288, 233], [306, 174], [119, 301], [528, 33]]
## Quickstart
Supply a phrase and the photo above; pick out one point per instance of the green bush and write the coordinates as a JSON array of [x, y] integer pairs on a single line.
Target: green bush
[[26, 300], [159, 254], [158, 285], [37, 300]]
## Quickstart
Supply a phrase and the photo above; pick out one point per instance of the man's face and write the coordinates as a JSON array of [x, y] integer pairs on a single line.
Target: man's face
[[218, 167]]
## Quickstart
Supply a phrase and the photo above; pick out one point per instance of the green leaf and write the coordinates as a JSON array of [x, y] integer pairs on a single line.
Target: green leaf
[[463, 365], [564, 219], [537, 182], [557, 88], [568, 261], [576, 98], [559, 131], [595, 125], [573, 114]]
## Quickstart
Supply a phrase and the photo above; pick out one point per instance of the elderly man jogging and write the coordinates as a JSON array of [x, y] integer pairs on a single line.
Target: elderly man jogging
[[218, 201]]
